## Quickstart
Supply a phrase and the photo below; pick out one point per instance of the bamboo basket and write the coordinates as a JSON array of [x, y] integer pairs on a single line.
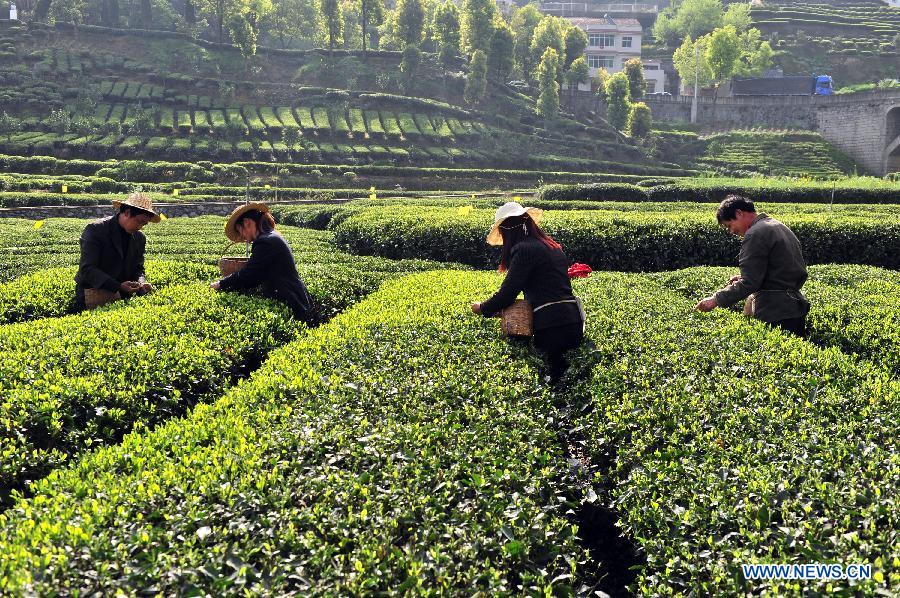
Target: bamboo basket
[[517, 319], [94, 298], [230, 265]]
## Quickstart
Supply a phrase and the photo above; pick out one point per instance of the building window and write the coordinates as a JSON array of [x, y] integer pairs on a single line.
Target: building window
[[626, 41], [601, 40], [651, 86], [600, 62], [651, 67]]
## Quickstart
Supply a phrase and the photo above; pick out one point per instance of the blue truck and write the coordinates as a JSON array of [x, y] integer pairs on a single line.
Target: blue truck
[[820, 85]]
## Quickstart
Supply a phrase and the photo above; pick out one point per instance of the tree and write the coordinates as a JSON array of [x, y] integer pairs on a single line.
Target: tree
[[664, 30], [409, 64], [738, 16], [9, 125], [523, 24], [722, 52], [634, 70], [410, 17], [67, 11], [639, 120], [578, 73], [292, 19], [600, 80], [352, 28], [371, 14], [696, 17], [547, 74], [446, 31], [756, 56], [330, 13], [576, 42], [243, 24], [109, 13], [476, 82], [548, 34], [477, 25], [690, 62], [500, 59], [59, 121], [618, 102]]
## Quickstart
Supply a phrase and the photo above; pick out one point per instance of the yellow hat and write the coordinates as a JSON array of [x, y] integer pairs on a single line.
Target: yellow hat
[[140, 201], [508, 210], [230, 228]]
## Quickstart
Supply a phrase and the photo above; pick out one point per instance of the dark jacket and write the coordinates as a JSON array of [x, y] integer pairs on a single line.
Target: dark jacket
[[271, 266], [109, 257], [543, 275], [772, 269]]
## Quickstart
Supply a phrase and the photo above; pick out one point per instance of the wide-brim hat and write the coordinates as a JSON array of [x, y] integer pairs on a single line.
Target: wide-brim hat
[[140, 201], [230, 226], [509, 210]]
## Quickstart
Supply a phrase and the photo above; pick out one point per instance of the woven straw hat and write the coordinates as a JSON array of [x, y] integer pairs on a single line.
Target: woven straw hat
[[230, 228], [140, 201], [509, 210]]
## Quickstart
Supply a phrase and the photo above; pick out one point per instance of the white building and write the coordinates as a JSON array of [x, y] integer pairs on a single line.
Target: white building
[[611, 43], [892, 3]]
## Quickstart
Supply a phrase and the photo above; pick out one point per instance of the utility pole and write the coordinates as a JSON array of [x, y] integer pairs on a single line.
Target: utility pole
[[696, 82]]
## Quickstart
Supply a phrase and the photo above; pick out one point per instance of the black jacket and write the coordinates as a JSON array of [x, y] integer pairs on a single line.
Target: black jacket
[[106, 259], [271, 266], [543, 275]]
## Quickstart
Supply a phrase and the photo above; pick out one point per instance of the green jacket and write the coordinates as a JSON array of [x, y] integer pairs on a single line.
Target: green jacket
[[772, 269]]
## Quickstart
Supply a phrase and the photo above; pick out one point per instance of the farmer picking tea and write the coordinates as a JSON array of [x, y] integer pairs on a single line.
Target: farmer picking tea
[[112, 254], [536, 265], [772, 268], [271, 265]]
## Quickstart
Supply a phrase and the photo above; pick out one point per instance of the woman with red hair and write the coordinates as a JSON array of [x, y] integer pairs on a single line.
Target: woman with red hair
[[536, 265]]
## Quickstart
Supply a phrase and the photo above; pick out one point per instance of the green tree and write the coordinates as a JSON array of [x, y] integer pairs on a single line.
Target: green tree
[[409, 65], [547, 74], [738, 16], [523, 24], [410, 17], [756, 55], [697, 17], [639, 120], [9, 125], [352, 29], [500, 59], [722, 52], [477, 26], [578, 73], [549, 33], [618, 102], [371, 14], [59, 121], [634, 70], [664, 30], [576, 42], [243, 24], [292, 20], [332, 20], [600, 80], [446, 31], [476, 82], [688, 62], [68, 11]]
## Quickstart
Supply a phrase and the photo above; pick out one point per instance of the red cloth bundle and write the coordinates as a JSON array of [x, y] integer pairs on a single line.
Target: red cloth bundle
[[579, 271]]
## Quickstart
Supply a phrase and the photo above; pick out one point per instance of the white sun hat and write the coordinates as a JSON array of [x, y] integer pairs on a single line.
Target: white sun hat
[[509, 210]]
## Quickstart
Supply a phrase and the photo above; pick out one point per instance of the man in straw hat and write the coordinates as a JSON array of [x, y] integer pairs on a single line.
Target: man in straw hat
[[112, 251]]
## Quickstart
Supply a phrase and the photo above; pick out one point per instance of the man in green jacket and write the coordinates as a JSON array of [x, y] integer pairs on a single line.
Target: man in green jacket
[[772, 268]]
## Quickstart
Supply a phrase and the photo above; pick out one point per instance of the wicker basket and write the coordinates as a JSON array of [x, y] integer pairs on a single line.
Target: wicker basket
[[94, 298], [517, 319], [230, 265]]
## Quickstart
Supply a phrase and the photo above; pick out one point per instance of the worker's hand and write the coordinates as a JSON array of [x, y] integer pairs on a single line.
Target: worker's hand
[[476, 308], [707, 304], [145, 288], [734, 279], [129, 287], [215, 285]]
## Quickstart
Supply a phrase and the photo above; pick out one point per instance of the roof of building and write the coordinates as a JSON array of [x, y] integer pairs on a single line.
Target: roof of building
[[605, 22]]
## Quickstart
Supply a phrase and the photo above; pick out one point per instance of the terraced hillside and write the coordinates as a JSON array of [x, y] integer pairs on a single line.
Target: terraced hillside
[[855, 41], [163, 99]]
